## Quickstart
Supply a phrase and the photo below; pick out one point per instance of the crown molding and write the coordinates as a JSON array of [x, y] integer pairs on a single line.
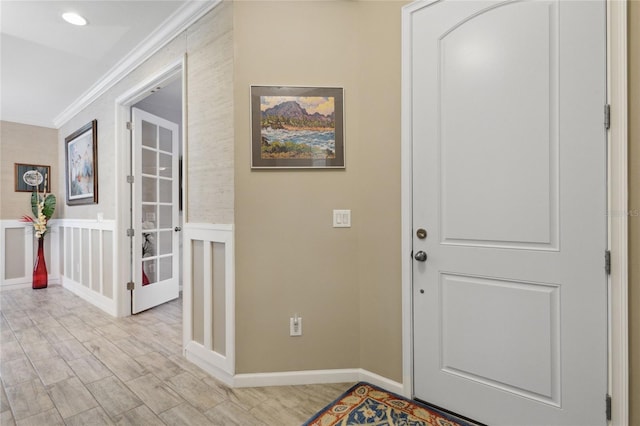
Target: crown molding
[[175, 24]]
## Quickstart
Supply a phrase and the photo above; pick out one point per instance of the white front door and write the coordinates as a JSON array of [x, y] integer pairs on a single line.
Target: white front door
[[509, 186], [155, 210]]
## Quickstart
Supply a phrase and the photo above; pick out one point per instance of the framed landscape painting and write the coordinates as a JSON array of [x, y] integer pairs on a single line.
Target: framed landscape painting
[[297, 127], [82, 165]]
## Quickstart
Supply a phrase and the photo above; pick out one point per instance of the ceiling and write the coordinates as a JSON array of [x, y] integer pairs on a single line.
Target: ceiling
[[48, 65]]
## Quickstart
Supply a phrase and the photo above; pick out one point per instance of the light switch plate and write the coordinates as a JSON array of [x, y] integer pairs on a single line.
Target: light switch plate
[[342, 218]]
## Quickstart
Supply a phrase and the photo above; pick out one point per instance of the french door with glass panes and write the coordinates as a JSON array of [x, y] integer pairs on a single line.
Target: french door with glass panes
[[155, 210]]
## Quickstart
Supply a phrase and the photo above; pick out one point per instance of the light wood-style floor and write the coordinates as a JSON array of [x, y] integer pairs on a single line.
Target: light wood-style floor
[[65, 362]]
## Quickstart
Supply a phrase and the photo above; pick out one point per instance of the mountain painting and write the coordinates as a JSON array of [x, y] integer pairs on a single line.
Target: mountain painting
[[297, 127]]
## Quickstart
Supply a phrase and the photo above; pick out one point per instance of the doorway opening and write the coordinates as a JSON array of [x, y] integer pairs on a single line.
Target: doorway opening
[[166, 102], [150, 118]]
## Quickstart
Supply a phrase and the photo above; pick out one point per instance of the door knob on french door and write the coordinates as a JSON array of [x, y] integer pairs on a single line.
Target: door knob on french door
[[178, 228], [420, 256]]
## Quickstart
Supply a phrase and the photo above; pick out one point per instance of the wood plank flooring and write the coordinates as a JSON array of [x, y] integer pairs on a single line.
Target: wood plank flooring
[[65, 362]]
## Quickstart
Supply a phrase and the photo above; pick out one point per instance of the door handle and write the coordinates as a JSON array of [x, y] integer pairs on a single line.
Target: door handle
[[178, 228], [420, 256]]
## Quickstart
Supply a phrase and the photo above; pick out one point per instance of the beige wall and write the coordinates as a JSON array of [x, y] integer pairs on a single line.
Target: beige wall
[[22, 143], [634, 207], [345, 283]]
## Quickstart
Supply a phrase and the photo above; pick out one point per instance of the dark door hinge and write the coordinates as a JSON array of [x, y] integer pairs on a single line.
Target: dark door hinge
[[607, 262], [130, 179], [608, 405], [607, 116], [130, 232], [130, 285], [129, 125]]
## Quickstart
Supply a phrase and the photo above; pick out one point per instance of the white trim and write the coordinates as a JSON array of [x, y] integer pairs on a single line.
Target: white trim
[[383, 382], [618, 210], [178, 22], [187, 296], [70, 227], [221, 227], [306, 377], [292, 378], [96, 299], [209, 361], [25, 280], [219, 365], [27, 256], [101, 256], [9, 285], [407, 201], [123, 103], [208, 298], [103, 225]]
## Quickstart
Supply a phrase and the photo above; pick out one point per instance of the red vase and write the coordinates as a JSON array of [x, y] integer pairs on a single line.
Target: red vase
[[145, 279], [40, 275]]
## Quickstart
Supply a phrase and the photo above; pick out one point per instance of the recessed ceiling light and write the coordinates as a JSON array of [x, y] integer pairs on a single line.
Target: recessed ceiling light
[[74, 18]]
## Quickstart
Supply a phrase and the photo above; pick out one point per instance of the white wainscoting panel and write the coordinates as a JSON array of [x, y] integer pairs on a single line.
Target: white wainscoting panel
[[17, 249], [209, 298], [88, 248]]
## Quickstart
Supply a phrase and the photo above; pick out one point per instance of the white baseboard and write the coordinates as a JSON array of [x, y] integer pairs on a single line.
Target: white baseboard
[[202, 358], [108, 305], [308, 377], [19, 283], [214, 364], [383, 382]]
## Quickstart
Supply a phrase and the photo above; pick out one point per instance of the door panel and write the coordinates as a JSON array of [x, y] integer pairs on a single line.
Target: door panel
[[508, 324], [509, 179], [488, 64], [155, 210]]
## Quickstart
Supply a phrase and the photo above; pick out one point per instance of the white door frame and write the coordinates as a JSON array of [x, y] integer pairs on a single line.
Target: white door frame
[[617, 208], [617, 93], [123, 106]]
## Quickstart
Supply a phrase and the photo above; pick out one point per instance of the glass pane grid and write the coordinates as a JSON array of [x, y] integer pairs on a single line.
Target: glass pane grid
[[149, 134], [165, 139], [157, 190]]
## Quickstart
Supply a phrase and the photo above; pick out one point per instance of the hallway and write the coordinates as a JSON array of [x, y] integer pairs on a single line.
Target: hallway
[[65, 362]]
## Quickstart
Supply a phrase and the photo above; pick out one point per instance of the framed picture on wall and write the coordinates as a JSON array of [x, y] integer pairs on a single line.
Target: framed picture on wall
[[82, 165], [297, 127], [30, 176]]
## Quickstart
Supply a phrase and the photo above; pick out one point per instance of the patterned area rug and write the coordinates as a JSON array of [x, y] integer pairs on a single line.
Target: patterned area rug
[[366, 404]]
